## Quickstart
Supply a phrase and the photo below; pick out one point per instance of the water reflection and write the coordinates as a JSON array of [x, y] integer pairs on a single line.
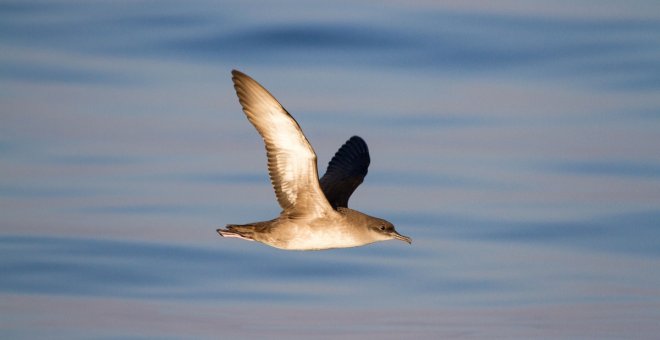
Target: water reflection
[[516, 145], [74, 266]]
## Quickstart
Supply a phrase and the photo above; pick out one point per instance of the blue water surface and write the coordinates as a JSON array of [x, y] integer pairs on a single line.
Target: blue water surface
[[516, 144]]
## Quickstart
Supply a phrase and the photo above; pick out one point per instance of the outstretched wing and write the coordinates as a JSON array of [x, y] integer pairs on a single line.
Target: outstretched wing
[[345, 172], [291, 159]]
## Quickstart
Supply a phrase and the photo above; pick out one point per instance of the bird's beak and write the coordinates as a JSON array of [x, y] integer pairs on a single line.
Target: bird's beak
[[398, 236]]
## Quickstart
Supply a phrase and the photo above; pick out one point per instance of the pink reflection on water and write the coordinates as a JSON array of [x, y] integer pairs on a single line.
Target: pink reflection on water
[[39, 316]]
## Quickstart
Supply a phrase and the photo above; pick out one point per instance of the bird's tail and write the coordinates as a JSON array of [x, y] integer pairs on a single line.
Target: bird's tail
[[242, 231]]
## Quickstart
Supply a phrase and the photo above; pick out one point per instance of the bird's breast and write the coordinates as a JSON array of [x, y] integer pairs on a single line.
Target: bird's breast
[[317, 235]]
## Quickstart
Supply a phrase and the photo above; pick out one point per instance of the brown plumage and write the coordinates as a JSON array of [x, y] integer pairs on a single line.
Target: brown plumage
[[314, 214]]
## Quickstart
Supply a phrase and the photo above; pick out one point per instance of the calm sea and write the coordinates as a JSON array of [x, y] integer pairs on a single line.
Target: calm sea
[[518, 144]]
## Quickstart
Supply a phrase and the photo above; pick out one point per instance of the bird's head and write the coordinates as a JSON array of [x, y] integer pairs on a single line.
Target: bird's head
[[384, 230]]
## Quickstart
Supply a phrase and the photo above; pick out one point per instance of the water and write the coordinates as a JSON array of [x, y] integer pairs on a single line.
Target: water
[[517, 145]]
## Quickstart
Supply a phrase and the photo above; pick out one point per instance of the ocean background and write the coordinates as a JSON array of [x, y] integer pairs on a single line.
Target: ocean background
[[516, 142]]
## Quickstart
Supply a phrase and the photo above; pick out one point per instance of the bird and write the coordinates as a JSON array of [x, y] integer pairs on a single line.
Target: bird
[[315, 213]]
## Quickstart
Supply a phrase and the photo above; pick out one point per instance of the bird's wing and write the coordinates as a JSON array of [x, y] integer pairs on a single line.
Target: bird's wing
[[291, 159], [345, 172]]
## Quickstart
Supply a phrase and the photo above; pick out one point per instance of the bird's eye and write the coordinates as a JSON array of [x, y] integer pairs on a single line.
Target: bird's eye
[[381, 228]]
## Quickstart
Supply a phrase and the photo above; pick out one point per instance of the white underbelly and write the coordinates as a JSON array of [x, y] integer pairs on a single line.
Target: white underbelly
[[307, 240]]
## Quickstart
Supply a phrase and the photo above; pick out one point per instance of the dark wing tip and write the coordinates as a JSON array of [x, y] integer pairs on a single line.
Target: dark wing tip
[[352, 158], [359, 144]]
